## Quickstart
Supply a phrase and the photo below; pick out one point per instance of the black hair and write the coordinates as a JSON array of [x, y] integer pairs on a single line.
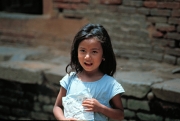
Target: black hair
[[108, 66]]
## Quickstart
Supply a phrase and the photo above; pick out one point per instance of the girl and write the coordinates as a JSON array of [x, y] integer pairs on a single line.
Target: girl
[[92, 67]]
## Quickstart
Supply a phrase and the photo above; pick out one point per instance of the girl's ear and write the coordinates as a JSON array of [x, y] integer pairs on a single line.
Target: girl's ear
[[103, 59]]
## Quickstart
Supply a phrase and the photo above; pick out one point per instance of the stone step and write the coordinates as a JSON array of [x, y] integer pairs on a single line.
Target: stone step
[[54, 75], [144, 84], [19, 54], [168, 90], [136, 83], [24, 71]]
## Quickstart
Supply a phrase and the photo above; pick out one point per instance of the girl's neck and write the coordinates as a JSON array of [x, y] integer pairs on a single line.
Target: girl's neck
[[90, 76]]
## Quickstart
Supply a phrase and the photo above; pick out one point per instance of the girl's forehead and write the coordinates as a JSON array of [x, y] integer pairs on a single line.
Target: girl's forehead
[[90, 41]]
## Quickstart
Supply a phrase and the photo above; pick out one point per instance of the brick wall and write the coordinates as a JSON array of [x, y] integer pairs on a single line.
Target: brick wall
[[147, 29]]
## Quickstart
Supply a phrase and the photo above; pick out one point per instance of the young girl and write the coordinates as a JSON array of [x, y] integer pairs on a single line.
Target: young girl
[[92, 67]]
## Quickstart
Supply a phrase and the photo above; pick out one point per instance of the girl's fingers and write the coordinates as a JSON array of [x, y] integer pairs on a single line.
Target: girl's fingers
[[88, 101]]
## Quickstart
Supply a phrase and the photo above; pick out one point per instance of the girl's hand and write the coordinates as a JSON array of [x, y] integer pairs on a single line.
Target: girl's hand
[[92, 105]]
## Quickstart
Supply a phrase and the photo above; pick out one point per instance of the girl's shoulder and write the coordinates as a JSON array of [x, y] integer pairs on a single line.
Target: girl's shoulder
[[107, 77], [68, 77], [67, 80], [71, 74]]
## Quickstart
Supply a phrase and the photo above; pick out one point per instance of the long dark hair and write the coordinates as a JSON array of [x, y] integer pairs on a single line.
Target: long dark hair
[[108, 66]]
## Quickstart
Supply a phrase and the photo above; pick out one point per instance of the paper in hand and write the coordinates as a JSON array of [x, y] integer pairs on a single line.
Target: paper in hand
[[73, 106]]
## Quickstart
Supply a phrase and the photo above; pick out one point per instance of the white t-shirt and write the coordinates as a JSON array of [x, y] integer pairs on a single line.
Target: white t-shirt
[[103, 89]]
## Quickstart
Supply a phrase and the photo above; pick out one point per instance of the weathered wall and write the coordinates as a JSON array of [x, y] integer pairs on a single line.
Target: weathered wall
[[148, 29]]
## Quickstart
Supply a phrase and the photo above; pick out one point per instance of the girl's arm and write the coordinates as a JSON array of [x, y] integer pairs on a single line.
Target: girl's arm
[[58, 107], [117, 112]]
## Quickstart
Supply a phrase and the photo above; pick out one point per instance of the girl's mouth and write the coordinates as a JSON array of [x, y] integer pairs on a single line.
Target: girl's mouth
[[88, 64]]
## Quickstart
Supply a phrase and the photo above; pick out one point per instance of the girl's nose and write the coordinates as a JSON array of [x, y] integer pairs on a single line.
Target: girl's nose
[[87, 56]]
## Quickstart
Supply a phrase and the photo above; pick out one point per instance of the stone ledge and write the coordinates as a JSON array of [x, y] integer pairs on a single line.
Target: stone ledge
[[19, 54], [24, 71], [137, 84], [55, 74], [168, 90]]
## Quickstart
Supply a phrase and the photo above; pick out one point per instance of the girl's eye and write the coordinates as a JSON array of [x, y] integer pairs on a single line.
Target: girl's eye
[[82, 50], [95, 52]]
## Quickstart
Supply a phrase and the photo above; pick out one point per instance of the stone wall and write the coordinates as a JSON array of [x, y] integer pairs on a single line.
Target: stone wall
[[148, 29], [20, 101]]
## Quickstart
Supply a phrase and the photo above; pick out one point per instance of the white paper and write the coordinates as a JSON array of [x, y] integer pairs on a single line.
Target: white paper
[[73, 106]]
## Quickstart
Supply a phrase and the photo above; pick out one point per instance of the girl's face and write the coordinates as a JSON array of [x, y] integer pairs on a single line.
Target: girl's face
[[90, 54]]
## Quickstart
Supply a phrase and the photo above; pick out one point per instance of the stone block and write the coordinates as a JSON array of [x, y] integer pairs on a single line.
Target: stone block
[[178, 28], [161, 43], [176, 13], [152, 56], [171, 119], [129, 114], [128, 54], [124, 102], [168, 90], [173, 35], [178, 61], [174, 51], [144, 11], [132, 3], [111, 2], [165, 27], [150, 4], [149, 117], [8, 101], [169, 59], [138, 105], [128, 10], [169, 5], [44, 99], [54, 75], [176, 70], [160, 12], [157, 19], [48, 108], [4, 117], [173, 20], [20, 112], [39, 116], [137, 84], [37, 106], [4, 110], [24, 71]]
